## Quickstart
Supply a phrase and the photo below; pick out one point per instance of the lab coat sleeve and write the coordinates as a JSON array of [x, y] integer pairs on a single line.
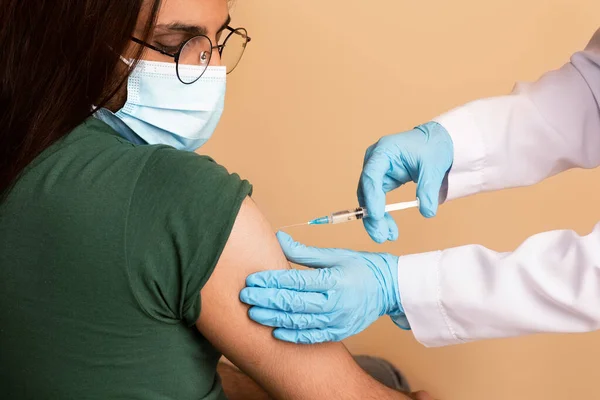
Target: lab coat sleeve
[[541, 129], [550, 284]]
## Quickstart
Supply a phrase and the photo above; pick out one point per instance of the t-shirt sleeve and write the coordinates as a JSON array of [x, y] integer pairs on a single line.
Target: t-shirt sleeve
[[182, 210]]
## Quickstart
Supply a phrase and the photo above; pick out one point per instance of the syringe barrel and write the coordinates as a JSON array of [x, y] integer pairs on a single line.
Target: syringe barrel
[[347, 215]]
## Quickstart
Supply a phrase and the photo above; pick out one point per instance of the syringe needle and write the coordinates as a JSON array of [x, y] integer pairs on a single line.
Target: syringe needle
[[293, 226]]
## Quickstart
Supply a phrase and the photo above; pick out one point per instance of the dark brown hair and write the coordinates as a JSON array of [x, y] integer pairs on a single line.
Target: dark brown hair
[[57, 59]]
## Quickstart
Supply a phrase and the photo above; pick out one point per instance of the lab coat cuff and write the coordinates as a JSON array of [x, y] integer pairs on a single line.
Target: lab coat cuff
[[466, 176], [419, 285]]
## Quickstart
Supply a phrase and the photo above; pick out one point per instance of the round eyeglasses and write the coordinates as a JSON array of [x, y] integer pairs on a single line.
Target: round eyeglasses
[[197, 51]]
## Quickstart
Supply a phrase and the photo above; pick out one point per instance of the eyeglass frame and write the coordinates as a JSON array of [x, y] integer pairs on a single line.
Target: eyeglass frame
[[176, 55]]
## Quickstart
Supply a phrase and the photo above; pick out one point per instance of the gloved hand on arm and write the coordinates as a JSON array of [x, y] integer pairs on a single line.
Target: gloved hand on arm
[[423, 155], [343, 293]]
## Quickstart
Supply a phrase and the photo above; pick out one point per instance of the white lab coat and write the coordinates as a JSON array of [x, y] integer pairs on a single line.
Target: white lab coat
[[551, 283]]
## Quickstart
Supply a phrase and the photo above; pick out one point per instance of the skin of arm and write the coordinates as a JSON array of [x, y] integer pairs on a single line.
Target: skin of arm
[[239, 386], [283, 370]]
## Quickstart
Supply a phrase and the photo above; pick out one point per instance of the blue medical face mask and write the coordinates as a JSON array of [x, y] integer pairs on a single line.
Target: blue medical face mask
[[162, 110]]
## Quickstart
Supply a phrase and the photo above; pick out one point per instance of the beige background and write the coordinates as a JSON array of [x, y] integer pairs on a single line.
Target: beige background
[[323, 79]]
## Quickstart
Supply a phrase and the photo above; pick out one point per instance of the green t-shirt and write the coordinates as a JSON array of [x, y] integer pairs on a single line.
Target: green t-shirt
[[104, 247]]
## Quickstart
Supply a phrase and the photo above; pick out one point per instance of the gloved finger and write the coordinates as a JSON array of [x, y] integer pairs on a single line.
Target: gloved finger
[[378, 230], [286, 300], [428, 190], [400, 175], [280, 319], [390, 183], [319, 280], [392, 227], [371, 184], [307, 336], [359, 191], [313, 257], [360, 195], [383, 229]]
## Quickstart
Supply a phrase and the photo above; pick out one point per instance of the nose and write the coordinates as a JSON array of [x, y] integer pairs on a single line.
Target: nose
[[215, 58]]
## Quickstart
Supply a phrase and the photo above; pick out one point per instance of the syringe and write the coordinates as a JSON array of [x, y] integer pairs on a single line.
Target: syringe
[[359, 213]]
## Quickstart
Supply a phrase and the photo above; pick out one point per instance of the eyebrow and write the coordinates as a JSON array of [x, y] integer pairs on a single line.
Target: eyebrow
[[192, 29]]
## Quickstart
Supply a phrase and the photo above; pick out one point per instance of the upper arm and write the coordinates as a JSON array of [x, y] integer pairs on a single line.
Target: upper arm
[[285, 370]]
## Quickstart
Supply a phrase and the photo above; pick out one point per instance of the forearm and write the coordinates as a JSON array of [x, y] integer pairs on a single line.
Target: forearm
[[539, 130], [551, 283], [318, 371], [239, 386]]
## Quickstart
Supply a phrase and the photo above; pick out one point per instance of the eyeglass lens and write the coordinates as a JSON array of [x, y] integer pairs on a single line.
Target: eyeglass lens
[[198, 51], [234, 45]]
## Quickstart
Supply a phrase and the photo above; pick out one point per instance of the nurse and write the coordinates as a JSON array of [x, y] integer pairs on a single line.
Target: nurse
[[551, 283]]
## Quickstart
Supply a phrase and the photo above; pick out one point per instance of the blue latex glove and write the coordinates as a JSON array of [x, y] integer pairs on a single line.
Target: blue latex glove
[[423, 155], [324, 304]]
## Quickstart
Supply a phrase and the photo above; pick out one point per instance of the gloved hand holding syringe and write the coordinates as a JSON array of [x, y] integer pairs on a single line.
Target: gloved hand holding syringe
[[355, 214]]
